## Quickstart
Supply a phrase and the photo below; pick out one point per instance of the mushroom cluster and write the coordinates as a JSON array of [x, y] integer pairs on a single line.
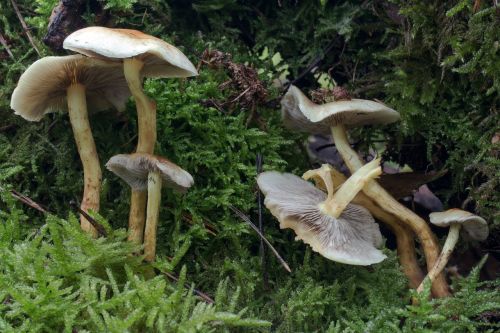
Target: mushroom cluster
[[299, 113], [111, 67]]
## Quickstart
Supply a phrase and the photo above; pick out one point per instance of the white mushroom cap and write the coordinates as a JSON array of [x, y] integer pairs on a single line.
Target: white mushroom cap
[[350, 239], [134, 169], [475, 226], [42, 87], [301, 114], [160, 58]]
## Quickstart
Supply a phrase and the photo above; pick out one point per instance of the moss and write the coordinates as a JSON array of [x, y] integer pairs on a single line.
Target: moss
[[436, 62]]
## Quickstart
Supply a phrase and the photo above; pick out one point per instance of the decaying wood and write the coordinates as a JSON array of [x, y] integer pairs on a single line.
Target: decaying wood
[[67, 17]]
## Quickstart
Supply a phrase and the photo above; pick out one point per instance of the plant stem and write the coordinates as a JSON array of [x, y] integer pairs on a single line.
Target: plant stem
[[153, 207], [448, 247], [77, 109], [388, 203], [146, 119]]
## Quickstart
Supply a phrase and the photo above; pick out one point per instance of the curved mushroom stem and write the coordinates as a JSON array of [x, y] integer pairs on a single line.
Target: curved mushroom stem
[[448, 247], [77, 109], [404, 237], [154, 196], [387, 202], [146, 119], [348, 190]]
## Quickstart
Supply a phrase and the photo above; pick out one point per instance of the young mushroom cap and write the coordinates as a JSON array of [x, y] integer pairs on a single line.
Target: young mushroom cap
[[160, 58], [475, 226], [134, 169], [301, 114], [42, 88], [350, 239]]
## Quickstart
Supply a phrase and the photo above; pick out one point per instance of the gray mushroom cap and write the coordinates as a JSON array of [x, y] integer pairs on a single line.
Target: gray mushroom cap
[[160, 58], [350, 239], [475, 226], [42, 87], [301, 114], [134, 169]]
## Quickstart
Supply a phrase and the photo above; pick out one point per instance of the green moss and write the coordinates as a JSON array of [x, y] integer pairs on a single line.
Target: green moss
[[437, 66]]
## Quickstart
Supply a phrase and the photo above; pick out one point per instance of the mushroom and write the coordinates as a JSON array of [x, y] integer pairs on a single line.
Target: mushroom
[[72, 83], [404, 237], [148, 172], [143, 56], [333, 227], [474, 226], [300, 112]]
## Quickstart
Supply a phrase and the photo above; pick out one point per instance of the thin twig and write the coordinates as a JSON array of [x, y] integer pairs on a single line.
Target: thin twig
[[28, 201], [100, 229], [197, 292], [25, 27], [247, 220], [313, 64], [6, 47]]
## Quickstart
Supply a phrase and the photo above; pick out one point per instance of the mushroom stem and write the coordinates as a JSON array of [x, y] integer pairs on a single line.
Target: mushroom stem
[[448, 247], [146, 119], [348, 190], [404, 237], [154, 196], [77, 109], [387, 202], [137, 218]]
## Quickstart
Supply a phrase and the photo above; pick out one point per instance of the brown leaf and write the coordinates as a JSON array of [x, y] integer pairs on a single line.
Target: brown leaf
[[401, 185]]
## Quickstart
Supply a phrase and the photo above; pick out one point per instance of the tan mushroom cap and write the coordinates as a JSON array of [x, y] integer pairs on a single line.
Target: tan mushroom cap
[[134, 169], [301, 114], [161, 59], [350, 239], [475, 226], [42, 87]]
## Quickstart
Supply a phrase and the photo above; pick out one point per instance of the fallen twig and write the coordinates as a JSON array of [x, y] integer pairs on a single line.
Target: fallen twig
[[313, 64], [197, 292], [247, 220], [25, 27], [27, 201], [100, 229], [6, 46]]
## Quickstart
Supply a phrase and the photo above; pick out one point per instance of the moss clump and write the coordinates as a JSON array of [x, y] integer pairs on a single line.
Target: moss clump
[[55, 278]]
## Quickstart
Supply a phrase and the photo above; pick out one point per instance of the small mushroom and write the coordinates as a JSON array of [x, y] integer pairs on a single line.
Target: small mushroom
[[334, 228], [72, 83], [143, 56], [474, 226], [148, 172], [300, 113]]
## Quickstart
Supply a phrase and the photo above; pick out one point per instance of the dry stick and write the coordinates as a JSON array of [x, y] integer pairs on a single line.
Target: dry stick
[[28, 201], [6, 47], [313, 64], [204, 296], [247, 220], [381, 197], [101, 231], [35, 205], [25, 27]]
